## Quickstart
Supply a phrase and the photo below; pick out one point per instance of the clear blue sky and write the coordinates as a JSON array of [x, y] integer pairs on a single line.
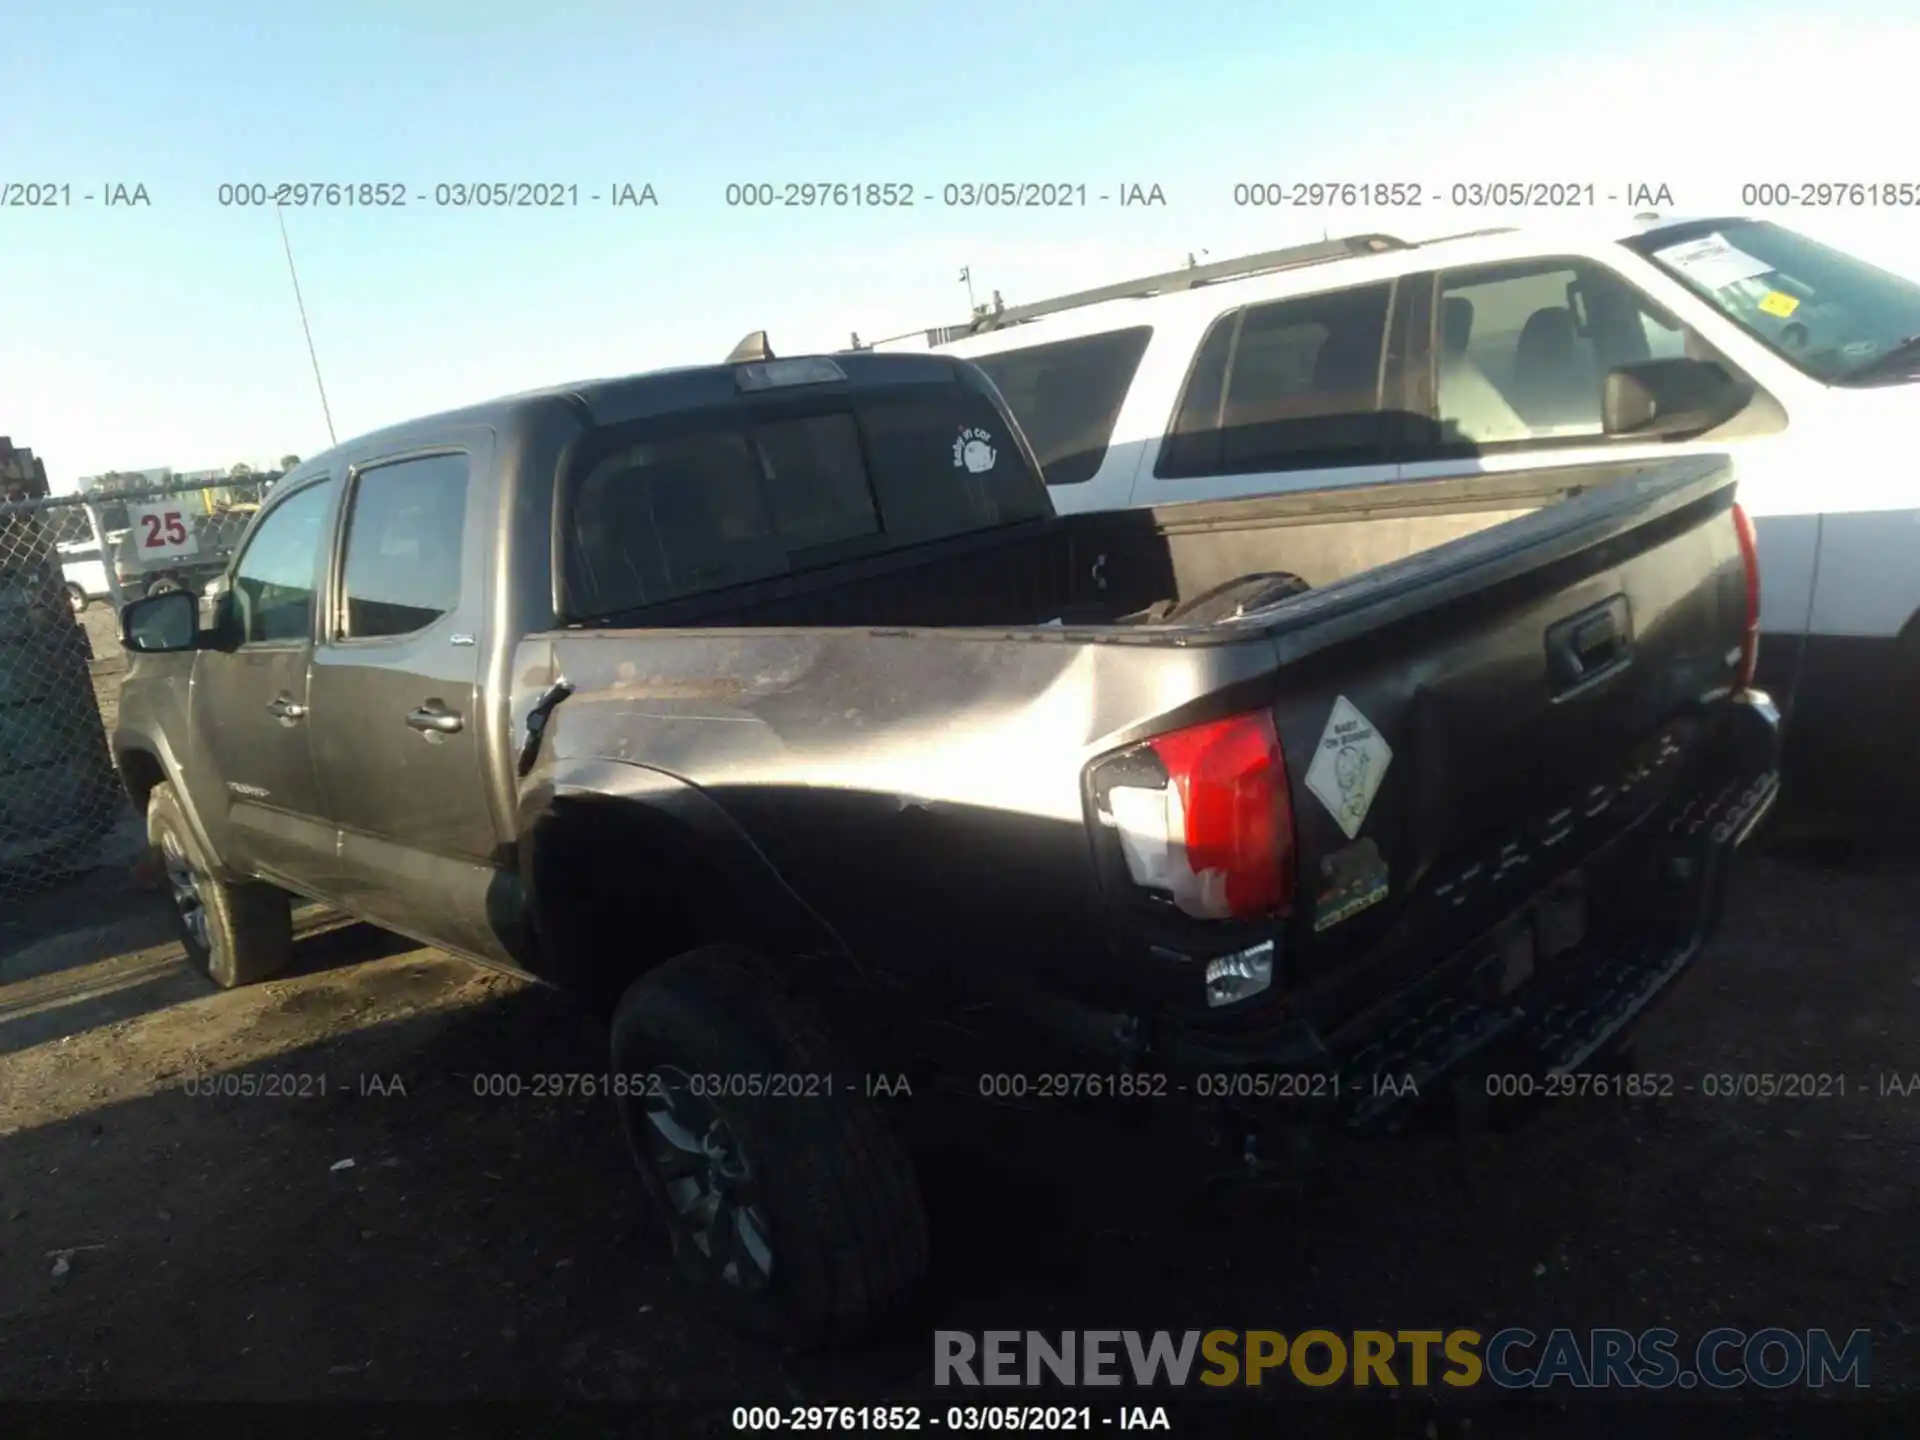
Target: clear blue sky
[[168, 335]]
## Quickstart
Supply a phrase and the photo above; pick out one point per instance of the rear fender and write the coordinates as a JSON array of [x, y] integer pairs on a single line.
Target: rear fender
[[646, 824]]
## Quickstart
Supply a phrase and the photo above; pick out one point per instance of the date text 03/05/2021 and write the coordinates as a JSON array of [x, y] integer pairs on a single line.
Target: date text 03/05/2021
[[1375, 194], [442, 195], [951, 195], [963, 1419], [286, 1085]]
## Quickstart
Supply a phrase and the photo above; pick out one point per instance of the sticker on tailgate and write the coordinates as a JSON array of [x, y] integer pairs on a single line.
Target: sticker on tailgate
[[1355, 879], [1348, 765]]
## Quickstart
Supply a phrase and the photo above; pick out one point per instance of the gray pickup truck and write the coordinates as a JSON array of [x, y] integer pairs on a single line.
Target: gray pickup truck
[[769, 708]]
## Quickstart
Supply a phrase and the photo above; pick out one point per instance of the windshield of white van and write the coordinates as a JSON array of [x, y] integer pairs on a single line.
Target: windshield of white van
[[1837, 318]]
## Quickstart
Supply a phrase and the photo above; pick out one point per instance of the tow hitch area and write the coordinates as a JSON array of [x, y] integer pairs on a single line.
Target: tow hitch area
[[1554, 989]]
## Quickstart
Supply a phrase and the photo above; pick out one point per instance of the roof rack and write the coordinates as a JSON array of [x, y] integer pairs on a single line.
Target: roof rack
[[1264, 263], [1467, 235]]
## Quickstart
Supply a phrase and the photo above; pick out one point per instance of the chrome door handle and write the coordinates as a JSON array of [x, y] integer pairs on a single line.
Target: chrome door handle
[[284, 709], [435, 719]]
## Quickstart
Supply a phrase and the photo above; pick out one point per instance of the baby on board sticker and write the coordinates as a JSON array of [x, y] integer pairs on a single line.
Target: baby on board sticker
[[974, 452], [1350, 768]]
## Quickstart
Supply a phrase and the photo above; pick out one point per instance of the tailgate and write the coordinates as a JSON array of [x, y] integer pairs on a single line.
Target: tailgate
[[1463, 727]]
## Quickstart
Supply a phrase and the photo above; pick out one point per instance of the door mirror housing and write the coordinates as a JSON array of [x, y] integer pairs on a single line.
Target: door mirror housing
[[1670, 399], [161, 624]]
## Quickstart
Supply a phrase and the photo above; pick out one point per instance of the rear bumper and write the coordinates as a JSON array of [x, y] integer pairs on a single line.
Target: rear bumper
[[1662, 885]]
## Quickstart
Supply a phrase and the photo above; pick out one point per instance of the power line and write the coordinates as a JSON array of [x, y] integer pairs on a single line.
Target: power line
[[280, 214]]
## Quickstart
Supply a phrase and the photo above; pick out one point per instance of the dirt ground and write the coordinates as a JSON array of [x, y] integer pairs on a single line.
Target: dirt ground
[[386, 1233]]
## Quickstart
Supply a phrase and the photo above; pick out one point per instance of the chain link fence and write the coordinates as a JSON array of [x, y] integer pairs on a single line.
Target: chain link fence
[[67, 564]]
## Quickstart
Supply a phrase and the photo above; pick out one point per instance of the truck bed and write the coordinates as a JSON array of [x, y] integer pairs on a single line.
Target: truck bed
[[1119, 566]]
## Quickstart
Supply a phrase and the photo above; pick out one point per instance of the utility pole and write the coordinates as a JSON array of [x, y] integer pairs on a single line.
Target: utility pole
[[966, 279]]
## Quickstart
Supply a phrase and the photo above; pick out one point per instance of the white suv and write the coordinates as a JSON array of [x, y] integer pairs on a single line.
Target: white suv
[[1368, 360]]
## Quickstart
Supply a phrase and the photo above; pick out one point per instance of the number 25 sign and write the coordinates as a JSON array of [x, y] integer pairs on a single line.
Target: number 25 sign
[[162, 532]]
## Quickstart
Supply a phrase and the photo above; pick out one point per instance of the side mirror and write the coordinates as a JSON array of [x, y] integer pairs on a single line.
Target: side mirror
[[161, 624], [1670, 399]]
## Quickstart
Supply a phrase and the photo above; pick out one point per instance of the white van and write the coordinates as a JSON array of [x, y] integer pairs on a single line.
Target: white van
[[84, 570], [1368, 360]]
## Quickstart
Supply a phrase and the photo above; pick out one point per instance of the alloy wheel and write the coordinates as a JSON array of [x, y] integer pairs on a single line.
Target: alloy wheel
[[707, 1180], [183, 885]]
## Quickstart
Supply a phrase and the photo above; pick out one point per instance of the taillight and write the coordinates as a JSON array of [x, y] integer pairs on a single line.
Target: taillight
[[1750, 561], [1203, 816]]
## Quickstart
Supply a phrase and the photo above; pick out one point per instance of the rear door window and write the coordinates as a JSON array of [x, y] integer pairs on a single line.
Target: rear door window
[[406, 530], [1067, 396], [1290, 385]]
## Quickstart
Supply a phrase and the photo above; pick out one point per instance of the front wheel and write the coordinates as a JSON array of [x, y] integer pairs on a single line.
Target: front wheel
[[234, 932], [790, 1202]]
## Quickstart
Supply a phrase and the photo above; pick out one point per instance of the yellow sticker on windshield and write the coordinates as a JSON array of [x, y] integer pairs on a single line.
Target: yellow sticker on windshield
[[1776, 303]]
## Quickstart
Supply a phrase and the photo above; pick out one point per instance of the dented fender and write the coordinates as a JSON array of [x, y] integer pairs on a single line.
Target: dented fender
[[685, 823]]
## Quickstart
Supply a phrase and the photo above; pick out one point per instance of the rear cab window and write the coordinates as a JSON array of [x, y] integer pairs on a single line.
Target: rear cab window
[[691, 504]]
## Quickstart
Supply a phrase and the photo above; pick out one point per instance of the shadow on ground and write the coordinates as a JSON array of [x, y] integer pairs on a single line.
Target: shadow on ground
[[105, 950], [384, 1226]]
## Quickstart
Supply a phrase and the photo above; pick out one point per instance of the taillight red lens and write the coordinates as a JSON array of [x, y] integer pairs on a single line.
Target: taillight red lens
[[1750, 561], [1236, 815]]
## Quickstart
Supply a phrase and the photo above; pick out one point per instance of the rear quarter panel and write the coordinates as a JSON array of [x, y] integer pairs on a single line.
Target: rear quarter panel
[[921, 791]]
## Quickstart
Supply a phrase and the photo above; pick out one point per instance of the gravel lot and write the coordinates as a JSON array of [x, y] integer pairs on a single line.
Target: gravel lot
[[223, 1247]]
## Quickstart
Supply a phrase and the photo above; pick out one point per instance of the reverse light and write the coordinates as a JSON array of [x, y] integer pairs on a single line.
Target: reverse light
[[777, 374], [1203, 816], [1750, 562]]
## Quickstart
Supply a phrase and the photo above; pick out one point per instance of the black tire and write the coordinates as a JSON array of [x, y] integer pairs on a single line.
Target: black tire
[[815, 1172], [77, 597], [243, 932], [165, 585]]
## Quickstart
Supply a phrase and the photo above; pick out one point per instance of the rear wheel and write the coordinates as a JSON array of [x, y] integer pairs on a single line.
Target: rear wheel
[[76, 597], [234, 933], [790, 1203], [165, 585]]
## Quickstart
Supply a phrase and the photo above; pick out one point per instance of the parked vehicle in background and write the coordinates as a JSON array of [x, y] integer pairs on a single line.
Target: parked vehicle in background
[[85, 571], [769, 708], [1369, 360], [172, 543]]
